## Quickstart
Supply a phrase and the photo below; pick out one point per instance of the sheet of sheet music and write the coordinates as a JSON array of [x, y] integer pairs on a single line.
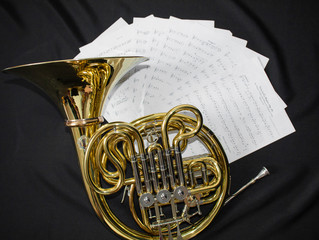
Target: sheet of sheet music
[[192, 62]]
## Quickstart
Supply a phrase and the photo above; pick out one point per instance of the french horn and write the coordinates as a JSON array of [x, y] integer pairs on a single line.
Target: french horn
[[170, 196]]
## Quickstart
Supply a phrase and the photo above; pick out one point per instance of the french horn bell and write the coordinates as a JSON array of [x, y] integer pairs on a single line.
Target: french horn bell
[[170, 195]]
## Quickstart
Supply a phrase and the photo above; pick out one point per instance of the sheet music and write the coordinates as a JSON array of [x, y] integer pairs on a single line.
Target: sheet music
[[192, 62]]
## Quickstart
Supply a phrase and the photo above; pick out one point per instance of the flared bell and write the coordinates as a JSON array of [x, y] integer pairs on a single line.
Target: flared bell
[[78, 87]]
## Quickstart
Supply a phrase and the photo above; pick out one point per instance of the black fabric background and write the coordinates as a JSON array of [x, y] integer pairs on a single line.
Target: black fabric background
[[42, 195]]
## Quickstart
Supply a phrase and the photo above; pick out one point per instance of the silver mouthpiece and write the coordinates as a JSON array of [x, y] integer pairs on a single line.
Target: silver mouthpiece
[[264, 172]]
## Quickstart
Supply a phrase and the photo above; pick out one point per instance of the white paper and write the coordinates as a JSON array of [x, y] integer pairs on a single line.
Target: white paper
[[192, 62]]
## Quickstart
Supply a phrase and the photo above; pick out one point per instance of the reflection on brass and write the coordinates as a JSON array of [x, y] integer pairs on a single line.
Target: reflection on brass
[[170, 196]]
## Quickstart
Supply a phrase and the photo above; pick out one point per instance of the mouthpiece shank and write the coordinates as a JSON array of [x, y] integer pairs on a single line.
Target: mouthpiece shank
[[264, 172]]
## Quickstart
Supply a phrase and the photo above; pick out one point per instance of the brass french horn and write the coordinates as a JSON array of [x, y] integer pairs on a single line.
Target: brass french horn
[[170, 196]]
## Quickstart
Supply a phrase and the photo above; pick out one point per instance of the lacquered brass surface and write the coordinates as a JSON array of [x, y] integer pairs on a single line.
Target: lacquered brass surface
[[170, 196], [78, 87]]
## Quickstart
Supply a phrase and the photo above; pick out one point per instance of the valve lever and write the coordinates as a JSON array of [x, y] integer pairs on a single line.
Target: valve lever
[[126, 191]]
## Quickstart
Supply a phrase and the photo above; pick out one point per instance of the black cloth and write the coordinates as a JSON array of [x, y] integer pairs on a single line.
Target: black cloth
[[42, 194]]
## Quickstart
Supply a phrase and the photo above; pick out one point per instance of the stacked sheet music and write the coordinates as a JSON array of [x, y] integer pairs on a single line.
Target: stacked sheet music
[[192, 62]]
